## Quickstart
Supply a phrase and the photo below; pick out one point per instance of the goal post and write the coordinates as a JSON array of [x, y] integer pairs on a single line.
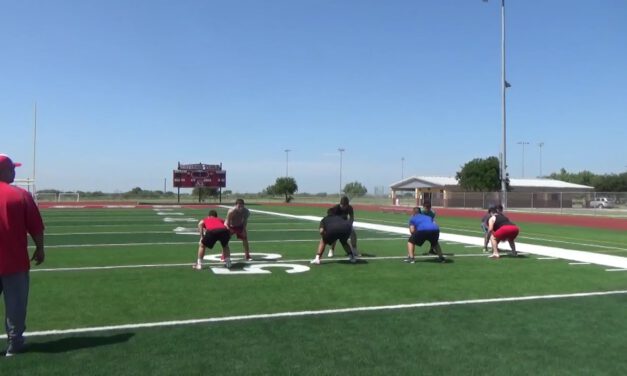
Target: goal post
[[46, 197], [27, 184], [68, 197]]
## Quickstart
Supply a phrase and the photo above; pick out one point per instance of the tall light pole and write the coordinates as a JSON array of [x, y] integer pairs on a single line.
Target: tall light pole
[[341, 150], [523, 143], [287, 153], [402, 168], [540, 145], [504, 86], [34, 147]]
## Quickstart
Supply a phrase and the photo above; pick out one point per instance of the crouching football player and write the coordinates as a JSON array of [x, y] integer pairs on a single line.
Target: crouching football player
[[333, 228], [212, 230]]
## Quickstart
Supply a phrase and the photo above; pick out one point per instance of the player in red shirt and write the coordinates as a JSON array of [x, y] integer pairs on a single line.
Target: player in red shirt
[[212, 230], [19, 216], [502, 229]]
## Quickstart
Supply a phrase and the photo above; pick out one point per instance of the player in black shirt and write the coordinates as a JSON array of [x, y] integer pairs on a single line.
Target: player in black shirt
[[333, 228], [345, 210]]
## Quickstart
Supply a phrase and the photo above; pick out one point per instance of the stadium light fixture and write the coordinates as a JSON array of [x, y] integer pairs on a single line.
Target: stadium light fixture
[[402, 168], [504, 86], [287, 152], [341, 150], [523, 143], [540, 145]]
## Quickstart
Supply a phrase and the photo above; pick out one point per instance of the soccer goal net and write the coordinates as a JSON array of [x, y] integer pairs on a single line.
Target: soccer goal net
[[68, 197], [46, 197], [27, 184]]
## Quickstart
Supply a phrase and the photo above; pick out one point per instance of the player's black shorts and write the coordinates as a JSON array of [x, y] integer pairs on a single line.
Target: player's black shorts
[[213, 236], [420, 237], [332, 236]]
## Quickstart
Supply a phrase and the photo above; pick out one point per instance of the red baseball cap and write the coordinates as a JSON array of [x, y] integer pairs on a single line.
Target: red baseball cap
[[6, 163]]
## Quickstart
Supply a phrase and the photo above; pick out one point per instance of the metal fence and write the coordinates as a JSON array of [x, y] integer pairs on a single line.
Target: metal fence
[[527, 200]]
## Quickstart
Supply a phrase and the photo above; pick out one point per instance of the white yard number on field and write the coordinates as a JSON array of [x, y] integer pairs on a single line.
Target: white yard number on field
[[261, 269], [255, 268]]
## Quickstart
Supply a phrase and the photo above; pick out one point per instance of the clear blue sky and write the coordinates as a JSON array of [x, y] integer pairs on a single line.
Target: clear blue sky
[[126, 89]]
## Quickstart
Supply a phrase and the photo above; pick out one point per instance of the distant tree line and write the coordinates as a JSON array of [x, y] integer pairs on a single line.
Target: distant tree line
[[484, 175], [601, 183]]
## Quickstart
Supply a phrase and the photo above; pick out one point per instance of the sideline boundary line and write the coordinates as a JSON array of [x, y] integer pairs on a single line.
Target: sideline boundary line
[[315, 313], [567, 254]]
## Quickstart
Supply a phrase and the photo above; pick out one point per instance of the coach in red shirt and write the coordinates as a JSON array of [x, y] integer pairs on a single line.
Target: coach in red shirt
[[19, 216]]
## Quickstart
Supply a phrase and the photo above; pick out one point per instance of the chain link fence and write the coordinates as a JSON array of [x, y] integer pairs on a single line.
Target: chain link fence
[[570, 202]]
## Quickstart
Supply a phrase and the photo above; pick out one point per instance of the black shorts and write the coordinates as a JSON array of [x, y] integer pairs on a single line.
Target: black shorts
[[342, 236], [213, 236], [420, 237]]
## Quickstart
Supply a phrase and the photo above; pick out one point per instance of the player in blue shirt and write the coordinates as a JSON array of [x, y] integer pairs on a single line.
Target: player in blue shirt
[[422, 228], [426, 210]]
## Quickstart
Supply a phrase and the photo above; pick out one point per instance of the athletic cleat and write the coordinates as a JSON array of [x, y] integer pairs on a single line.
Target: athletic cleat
[[315, 261], [441, 259], [228, 263], [330, 254], [247, 257], [197, 267], [514, 253], [410, 260], [494, 256], [14, 348], [352, 259]]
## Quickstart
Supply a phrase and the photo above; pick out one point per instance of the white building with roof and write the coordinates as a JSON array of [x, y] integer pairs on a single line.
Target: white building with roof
[[445, 192]]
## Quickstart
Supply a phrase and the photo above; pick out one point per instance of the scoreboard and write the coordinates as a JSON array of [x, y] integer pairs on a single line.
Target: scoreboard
[[199, 175]]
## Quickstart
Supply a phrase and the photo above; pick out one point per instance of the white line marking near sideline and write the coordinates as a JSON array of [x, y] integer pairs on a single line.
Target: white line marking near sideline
[[544, 240], [196, 242], [324, 260], [110, 233], [314, 313], [616, 270], [548, 258], [578, 263], [567, 254]]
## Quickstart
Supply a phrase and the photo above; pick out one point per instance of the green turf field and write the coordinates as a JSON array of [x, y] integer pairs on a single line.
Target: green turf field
[[117, 295]]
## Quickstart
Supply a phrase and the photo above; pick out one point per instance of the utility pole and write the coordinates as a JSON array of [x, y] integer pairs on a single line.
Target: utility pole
[[341, 150]]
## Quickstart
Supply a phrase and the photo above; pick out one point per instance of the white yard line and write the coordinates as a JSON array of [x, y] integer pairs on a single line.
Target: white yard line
[[209, 264], [314, 313], [196, 242], [567, 254], [523, 236]]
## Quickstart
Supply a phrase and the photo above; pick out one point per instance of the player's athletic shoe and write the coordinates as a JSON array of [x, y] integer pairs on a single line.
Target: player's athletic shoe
[[247, 257], [410, 260], [15, 348], [228, 263], [441, 259], [494, 256], [352, 259], [330, 254], [197, 267], [315, 261]]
